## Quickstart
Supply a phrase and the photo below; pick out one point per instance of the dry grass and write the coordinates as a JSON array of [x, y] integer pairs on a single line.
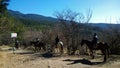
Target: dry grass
[[35, 60], [4, 47], [2, 59]]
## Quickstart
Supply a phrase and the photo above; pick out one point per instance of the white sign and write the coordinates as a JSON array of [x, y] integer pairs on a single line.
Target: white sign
[[13, 35]]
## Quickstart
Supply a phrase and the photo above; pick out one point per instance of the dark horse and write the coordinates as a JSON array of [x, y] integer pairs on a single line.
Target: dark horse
[[38, 45], [100, 46]]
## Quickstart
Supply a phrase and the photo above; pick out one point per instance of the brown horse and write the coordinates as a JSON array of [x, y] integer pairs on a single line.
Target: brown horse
[[100, 46], [38, 45]]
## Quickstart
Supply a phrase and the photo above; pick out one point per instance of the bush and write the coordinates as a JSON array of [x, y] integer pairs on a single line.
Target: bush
[[115, 49]]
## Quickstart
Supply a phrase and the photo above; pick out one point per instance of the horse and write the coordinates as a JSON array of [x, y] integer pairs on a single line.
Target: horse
[[59, 47], [38, 45], [99, 46]]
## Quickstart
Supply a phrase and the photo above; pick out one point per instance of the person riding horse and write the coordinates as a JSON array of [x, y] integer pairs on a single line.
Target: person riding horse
[[95, 40], [100, 46], [56, 40], [58, 45]]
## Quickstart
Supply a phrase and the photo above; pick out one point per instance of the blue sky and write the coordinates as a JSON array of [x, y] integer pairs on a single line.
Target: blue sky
[[103, 10]]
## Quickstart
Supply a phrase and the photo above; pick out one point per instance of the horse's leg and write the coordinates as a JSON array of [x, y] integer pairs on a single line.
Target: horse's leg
[[39, 49], [108, 52], [61, 48], [105, 57], [44, 49], [104, 53], [53, 49], [35, 49], [107, 49], [92, 54]]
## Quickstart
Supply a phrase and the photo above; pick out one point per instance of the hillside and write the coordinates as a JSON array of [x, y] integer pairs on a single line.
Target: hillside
[[33, 17], [105, 25]]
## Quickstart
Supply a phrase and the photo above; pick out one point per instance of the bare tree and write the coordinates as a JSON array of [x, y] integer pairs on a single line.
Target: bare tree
[[68, 20], [85, 18]]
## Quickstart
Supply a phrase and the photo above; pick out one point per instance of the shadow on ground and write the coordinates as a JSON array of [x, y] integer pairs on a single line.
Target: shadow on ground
[[83, 61], [47, 55], [22, 53], [38, 54]]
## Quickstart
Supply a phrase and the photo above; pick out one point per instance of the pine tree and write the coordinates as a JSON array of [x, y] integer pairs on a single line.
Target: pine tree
[[3, 6]]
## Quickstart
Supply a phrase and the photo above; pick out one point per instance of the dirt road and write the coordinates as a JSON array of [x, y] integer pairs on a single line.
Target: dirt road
[[35, 60]]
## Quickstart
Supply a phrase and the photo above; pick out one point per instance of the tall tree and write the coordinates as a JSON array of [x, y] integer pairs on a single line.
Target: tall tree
[[3, 6], [3, 15]]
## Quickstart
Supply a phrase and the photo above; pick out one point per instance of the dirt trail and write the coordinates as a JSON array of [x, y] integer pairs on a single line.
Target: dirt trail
[[35, 60]]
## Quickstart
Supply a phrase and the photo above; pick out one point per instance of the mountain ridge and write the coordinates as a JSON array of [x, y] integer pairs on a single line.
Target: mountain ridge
[[35, 17], [42, 19]]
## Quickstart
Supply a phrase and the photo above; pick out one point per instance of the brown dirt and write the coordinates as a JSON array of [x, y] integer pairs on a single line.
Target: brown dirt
[[23, 59]]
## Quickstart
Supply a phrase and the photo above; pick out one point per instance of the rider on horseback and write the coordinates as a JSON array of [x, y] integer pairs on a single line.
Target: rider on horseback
[[95, 40], [57, 40]]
